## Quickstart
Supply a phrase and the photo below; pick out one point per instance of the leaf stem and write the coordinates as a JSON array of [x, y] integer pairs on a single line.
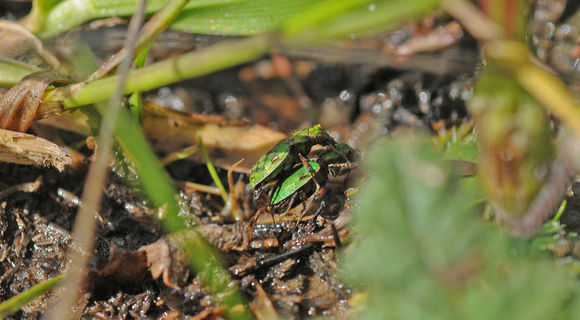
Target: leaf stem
[[212, 171], [163, 73]]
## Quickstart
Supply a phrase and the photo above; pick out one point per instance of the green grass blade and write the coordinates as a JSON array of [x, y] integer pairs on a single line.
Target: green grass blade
[[362, 20], [135, 101], [15, 303], [319, 13], [213, 173], [158, 187], [560, 211]]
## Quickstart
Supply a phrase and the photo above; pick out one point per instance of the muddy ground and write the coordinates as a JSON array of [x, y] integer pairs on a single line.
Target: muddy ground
[[292, 260]]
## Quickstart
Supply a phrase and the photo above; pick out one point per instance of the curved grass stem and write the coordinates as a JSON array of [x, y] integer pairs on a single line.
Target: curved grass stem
[[163, 73]]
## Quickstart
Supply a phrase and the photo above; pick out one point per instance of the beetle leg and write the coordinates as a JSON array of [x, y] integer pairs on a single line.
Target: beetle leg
[[317, 195], [337, 242], [249, 227], [290, 203], [310, 170]]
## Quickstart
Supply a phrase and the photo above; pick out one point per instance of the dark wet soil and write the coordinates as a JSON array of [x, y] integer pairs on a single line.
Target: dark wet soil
[[292, 263]]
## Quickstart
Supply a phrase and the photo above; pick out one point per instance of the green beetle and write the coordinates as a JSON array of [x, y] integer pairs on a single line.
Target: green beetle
[[284, 155], [311, 176], [299, 183]]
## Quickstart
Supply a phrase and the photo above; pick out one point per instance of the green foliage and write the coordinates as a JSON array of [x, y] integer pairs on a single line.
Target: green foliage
[[45, 5], [245, 18], [335, 19], [232, 17], [212, 171], [135, 101], [462, 147], [297, 18], [423, 254]]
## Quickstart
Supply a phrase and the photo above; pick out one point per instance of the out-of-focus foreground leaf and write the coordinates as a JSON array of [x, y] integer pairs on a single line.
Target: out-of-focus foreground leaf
[[515, 141], [245, 18], [231, 17], [299, 18], [423, 254]]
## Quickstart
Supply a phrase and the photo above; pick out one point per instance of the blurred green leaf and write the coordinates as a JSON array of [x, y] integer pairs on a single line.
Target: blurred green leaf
[[246, 18], [45, 5], [69, 14], [423, 254], [299, 19], [463, 147], [515, 141], [329, 20]]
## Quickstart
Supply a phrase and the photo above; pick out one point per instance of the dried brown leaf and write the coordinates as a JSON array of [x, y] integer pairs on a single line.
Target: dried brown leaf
[[22, 148], [21, 105], [170, 130], [166, 259]]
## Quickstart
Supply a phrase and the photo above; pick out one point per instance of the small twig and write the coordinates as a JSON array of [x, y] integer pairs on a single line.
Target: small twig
[[23, 187], [179, 155], [198, 187], [473, 20]]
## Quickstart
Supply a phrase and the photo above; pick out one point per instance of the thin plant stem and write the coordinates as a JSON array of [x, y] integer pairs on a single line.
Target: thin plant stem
[[189, 65], [472, 19], [560, 211], [198, 187], [212, 171], [552, 93], [546, 201], [157, 184], [84, 227]]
